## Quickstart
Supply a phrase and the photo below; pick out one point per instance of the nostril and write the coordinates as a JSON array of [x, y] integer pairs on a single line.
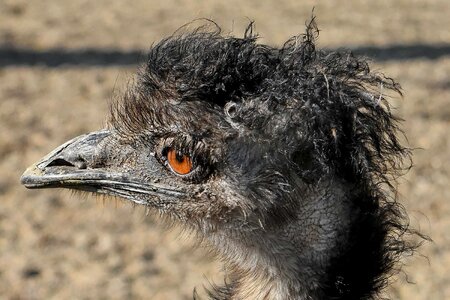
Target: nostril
[[59, 162]]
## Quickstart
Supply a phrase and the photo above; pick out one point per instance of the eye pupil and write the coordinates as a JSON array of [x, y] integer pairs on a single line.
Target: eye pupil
[[179, 163], [180, 158]]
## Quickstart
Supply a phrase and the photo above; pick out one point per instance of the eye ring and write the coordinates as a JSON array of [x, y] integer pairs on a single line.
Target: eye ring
[[179, 164]]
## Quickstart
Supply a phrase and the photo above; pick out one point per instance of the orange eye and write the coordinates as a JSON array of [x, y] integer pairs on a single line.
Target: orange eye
[[181, 165]]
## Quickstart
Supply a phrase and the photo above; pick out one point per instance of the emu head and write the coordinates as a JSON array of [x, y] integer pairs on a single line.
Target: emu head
[[276, 158]]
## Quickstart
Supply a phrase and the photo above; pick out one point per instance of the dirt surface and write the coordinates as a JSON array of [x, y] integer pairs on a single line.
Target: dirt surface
[[55, 245]]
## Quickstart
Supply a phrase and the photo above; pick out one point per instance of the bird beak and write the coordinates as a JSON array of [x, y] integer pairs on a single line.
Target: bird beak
[[66, 165], [87, 163]]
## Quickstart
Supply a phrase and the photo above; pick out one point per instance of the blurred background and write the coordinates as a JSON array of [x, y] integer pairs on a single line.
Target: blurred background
[[62, 61]]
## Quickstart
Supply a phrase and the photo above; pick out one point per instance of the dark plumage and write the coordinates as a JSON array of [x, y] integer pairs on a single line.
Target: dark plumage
[[291, 155]]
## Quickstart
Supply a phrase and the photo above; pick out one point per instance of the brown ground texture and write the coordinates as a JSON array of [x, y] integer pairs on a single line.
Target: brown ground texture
[[55, 245]]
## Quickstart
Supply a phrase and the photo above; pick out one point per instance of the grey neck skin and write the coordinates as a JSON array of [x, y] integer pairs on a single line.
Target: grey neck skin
[[288, 261]]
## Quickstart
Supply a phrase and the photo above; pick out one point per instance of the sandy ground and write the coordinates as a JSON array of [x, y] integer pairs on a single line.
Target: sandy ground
[[54, 245]]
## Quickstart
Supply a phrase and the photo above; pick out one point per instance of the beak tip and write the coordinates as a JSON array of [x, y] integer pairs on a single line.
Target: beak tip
[[28, 178], [25, 181]]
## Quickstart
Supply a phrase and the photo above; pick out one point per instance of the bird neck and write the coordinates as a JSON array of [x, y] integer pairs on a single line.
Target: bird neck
[[324, 251], [262, 286], [273, 269]]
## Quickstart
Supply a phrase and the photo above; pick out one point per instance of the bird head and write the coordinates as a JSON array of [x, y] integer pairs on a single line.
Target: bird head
[[252, 146]]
